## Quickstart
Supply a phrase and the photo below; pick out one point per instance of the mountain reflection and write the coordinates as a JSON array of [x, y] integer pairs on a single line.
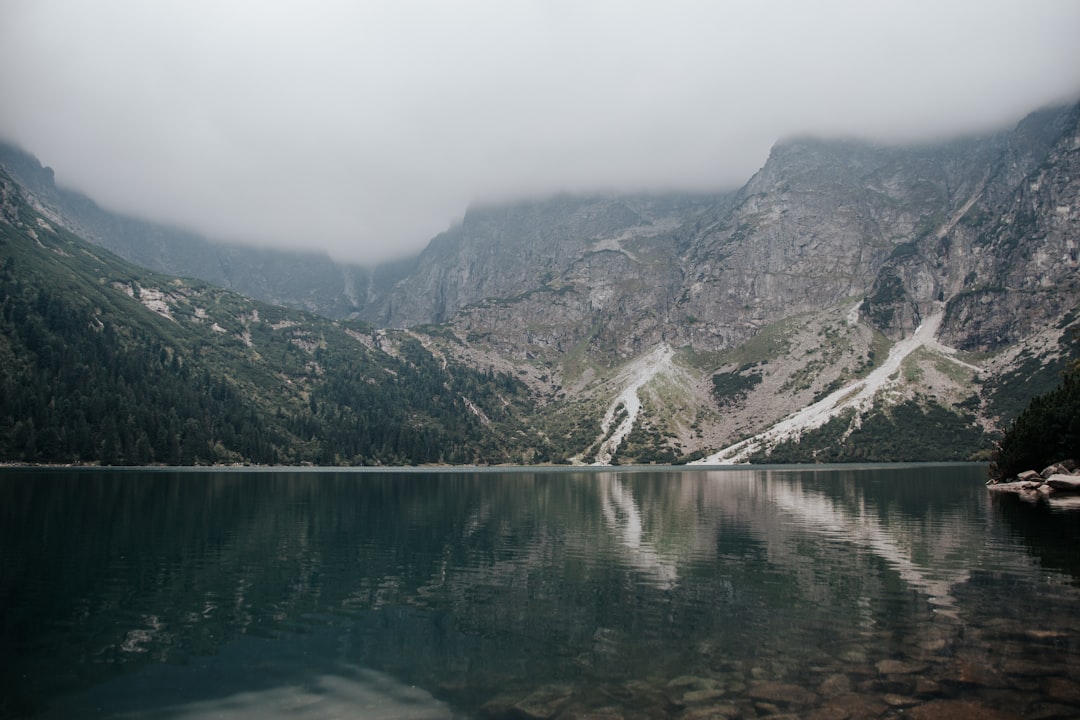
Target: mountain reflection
[[470, 581]]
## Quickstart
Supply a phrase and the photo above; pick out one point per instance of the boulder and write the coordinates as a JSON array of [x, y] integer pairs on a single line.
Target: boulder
[[1067, 483], [1029, 476], [1006, 487], [1055, 469]]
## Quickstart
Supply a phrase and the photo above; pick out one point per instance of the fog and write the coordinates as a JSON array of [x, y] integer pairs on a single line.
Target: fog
[[365, 128]]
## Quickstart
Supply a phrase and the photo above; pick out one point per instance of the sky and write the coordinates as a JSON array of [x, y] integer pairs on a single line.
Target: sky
[[364, 128]]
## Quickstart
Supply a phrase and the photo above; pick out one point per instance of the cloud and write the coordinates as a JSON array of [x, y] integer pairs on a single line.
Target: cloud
[[366, 128]]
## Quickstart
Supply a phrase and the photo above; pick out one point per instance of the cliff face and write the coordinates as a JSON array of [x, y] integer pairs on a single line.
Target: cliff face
[[817, 223], [1018, 251], [899, 228], [504, 251]]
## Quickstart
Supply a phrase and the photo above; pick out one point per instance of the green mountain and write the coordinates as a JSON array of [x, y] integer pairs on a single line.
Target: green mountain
[[101, 361]]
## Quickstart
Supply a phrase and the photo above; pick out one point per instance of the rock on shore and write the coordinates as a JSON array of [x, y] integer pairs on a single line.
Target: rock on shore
[[1060, 478]]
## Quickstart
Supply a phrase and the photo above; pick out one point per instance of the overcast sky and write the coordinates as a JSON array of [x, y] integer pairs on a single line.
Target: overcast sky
[[365, 128]]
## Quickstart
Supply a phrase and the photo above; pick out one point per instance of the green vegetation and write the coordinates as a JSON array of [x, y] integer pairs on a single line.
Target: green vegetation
[[1047, 431], [909, 432], [888, 291], [647, 444], [1010, 393], [102, 362], [903, 250], [566, 427], [771, 342], [731, 387]]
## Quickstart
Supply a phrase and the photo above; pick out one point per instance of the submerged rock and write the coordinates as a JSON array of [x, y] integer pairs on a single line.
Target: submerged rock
[[834, 685], [783, 693], [852, 705], [900, 667], [712, 712], [545, 702], [957, 710]]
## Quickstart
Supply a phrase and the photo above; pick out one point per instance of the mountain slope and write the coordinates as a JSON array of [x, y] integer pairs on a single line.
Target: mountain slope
[[308, 280], [850, 302], [796, 288], [106, 362]]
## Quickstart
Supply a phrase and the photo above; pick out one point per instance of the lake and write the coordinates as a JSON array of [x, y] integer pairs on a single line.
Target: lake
[[826, 592]]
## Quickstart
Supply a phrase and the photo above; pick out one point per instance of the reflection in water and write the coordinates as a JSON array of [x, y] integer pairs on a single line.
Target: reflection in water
[[503, 594], [623, 518], [894, 543], [1050, 529]]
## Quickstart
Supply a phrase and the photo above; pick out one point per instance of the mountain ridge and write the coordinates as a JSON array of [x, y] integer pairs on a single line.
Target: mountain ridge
[[666, 328]]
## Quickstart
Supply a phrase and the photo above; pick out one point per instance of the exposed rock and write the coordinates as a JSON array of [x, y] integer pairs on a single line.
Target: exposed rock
[[1068, 483], [1057, 478], [1055, 469]]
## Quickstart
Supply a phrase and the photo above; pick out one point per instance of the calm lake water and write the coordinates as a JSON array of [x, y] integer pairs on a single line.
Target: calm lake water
[[820, 592]]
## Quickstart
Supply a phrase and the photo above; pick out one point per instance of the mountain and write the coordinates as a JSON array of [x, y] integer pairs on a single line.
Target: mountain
[[852, 301], [102, 361], [704, 321], [308, 280]]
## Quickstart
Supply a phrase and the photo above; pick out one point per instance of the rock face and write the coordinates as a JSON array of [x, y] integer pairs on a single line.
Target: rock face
[[554, 272], [986, 225], [818, 224]]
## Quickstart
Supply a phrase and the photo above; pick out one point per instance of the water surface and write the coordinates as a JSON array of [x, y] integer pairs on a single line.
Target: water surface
[[842, 591]]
